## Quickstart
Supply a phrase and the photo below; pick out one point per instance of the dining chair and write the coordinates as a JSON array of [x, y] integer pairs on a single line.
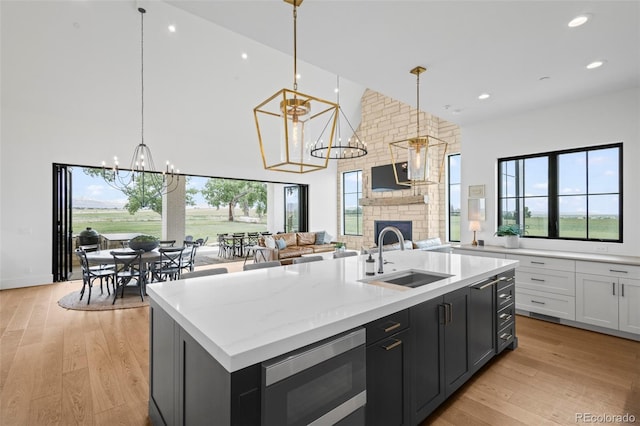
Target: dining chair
[[307, 259], [202, 241], [129, 266], [238, 243], [339, 254], [169, 266], [270, 264], [167, 243], [89, 275], [188, 258], [204, 273]]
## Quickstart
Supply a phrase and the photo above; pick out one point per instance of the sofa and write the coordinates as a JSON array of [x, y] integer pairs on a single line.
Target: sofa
[[429, 244], [295, 244]]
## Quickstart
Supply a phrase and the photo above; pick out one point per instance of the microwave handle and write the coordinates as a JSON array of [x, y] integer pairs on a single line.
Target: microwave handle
[[281, 369]]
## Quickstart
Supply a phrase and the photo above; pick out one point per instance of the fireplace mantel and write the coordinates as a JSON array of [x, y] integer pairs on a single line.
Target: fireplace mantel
[[393, 201]]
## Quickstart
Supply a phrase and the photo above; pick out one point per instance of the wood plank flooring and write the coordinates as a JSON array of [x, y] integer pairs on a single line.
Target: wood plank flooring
[[66, 367]]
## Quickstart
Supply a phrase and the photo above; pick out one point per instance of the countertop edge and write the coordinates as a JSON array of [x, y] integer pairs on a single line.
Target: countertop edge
[[236, 362]]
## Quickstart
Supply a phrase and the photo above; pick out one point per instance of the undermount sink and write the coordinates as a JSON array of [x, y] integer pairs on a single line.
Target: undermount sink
[[411, 278]]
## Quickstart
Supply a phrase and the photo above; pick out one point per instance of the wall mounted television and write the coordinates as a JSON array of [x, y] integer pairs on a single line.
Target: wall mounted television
[[383, 178], [405, 227]]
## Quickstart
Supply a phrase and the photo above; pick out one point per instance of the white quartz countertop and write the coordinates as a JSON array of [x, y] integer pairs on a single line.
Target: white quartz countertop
[[571, 255], [248, 317]]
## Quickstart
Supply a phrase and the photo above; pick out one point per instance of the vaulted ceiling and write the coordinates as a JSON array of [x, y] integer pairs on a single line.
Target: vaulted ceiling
[[520, 52]]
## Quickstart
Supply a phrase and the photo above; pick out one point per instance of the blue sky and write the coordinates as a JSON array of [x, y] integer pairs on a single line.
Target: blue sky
[[89, 188]]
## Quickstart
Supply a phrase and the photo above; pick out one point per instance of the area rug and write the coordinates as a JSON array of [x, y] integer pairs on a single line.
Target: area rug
[[102, 302]]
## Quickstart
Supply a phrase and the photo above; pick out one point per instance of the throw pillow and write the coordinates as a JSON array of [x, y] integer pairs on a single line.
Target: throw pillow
[[327, 238], [281, 243], [269, 242], [320, 237]]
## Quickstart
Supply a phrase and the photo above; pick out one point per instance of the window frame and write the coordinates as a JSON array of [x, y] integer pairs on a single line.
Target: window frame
[[553, 193], [448, 196], [359, 212]]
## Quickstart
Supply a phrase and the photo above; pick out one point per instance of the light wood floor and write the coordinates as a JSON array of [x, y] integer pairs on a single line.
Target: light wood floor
[[68, 367]]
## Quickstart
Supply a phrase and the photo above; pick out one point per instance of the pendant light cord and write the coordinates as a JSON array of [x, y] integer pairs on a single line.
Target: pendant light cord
[[295, 43], [418, 105], [142, 12]]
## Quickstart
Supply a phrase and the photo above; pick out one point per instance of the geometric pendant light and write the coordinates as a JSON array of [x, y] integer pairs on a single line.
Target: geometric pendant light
[[291, 123], [413, 155]]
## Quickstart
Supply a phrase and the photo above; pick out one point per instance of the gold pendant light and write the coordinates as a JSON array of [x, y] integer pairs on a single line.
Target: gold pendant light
[[290, 124], [412, 155]]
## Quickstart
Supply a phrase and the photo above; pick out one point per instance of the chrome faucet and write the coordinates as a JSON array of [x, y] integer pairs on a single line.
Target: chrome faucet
[[381, 245]]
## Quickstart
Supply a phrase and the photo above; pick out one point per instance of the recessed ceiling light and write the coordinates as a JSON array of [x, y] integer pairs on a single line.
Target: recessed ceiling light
[[579, 20], [595, 64], [244, 55], [172, 28], [484, 96]]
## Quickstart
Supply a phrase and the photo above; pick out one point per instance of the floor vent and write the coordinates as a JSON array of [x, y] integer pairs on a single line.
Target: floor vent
[[544, 317]]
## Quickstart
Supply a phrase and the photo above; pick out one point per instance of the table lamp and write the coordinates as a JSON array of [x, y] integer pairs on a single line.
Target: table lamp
[[474, 226]]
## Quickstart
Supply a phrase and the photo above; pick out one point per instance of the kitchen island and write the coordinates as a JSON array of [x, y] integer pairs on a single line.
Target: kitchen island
[[238, 321]]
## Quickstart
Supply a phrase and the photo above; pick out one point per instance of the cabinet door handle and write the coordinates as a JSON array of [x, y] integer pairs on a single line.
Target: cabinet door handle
[[442, 314], [539, 303], [487, 285], [395, 344], [537, 263], [448, 316], [620, 271], [392, 327], [613, 288], [537, 279], [622, 294]]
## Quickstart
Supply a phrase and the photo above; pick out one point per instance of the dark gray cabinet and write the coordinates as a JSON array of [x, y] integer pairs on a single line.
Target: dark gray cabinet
[[189, 387], [456, 339], [427, 335], [505, 317], [482, 323], [387, 380], [440, 360]]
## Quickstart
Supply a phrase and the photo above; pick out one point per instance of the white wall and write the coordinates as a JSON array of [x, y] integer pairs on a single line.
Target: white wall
[[601, 120], [70, 83]]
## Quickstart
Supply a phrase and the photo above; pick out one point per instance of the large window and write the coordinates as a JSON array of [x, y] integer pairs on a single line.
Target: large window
[[453, 195], [351, 210], [573, 194]]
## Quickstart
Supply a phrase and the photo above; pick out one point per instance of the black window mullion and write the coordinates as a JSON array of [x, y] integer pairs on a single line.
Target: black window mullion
[[554, 214]]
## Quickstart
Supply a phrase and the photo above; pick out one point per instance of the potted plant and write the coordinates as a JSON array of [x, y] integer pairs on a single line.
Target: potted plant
[[511, 233], [144, 242], [339, 246]]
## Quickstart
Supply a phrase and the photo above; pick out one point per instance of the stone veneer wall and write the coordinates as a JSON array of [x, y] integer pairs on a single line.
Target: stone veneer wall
[[385, 120]]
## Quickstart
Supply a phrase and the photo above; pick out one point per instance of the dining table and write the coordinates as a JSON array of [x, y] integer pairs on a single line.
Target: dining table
[[104, 257]]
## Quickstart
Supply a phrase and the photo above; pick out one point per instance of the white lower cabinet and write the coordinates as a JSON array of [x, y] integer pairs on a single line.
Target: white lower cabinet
[[546, 285], [608, 295], [597, 300], [629, 305]]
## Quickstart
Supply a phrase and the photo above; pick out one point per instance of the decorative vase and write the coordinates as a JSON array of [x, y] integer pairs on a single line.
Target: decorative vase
[[144, 245], [511, 241]]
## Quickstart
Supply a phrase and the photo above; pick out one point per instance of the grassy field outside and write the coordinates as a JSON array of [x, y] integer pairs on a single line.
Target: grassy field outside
[[200, 223]]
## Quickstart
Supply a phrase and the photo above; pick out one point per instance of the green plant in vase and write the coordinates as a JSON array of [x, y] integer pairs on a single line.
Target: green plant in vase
[[144, 242], [511, 233]]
